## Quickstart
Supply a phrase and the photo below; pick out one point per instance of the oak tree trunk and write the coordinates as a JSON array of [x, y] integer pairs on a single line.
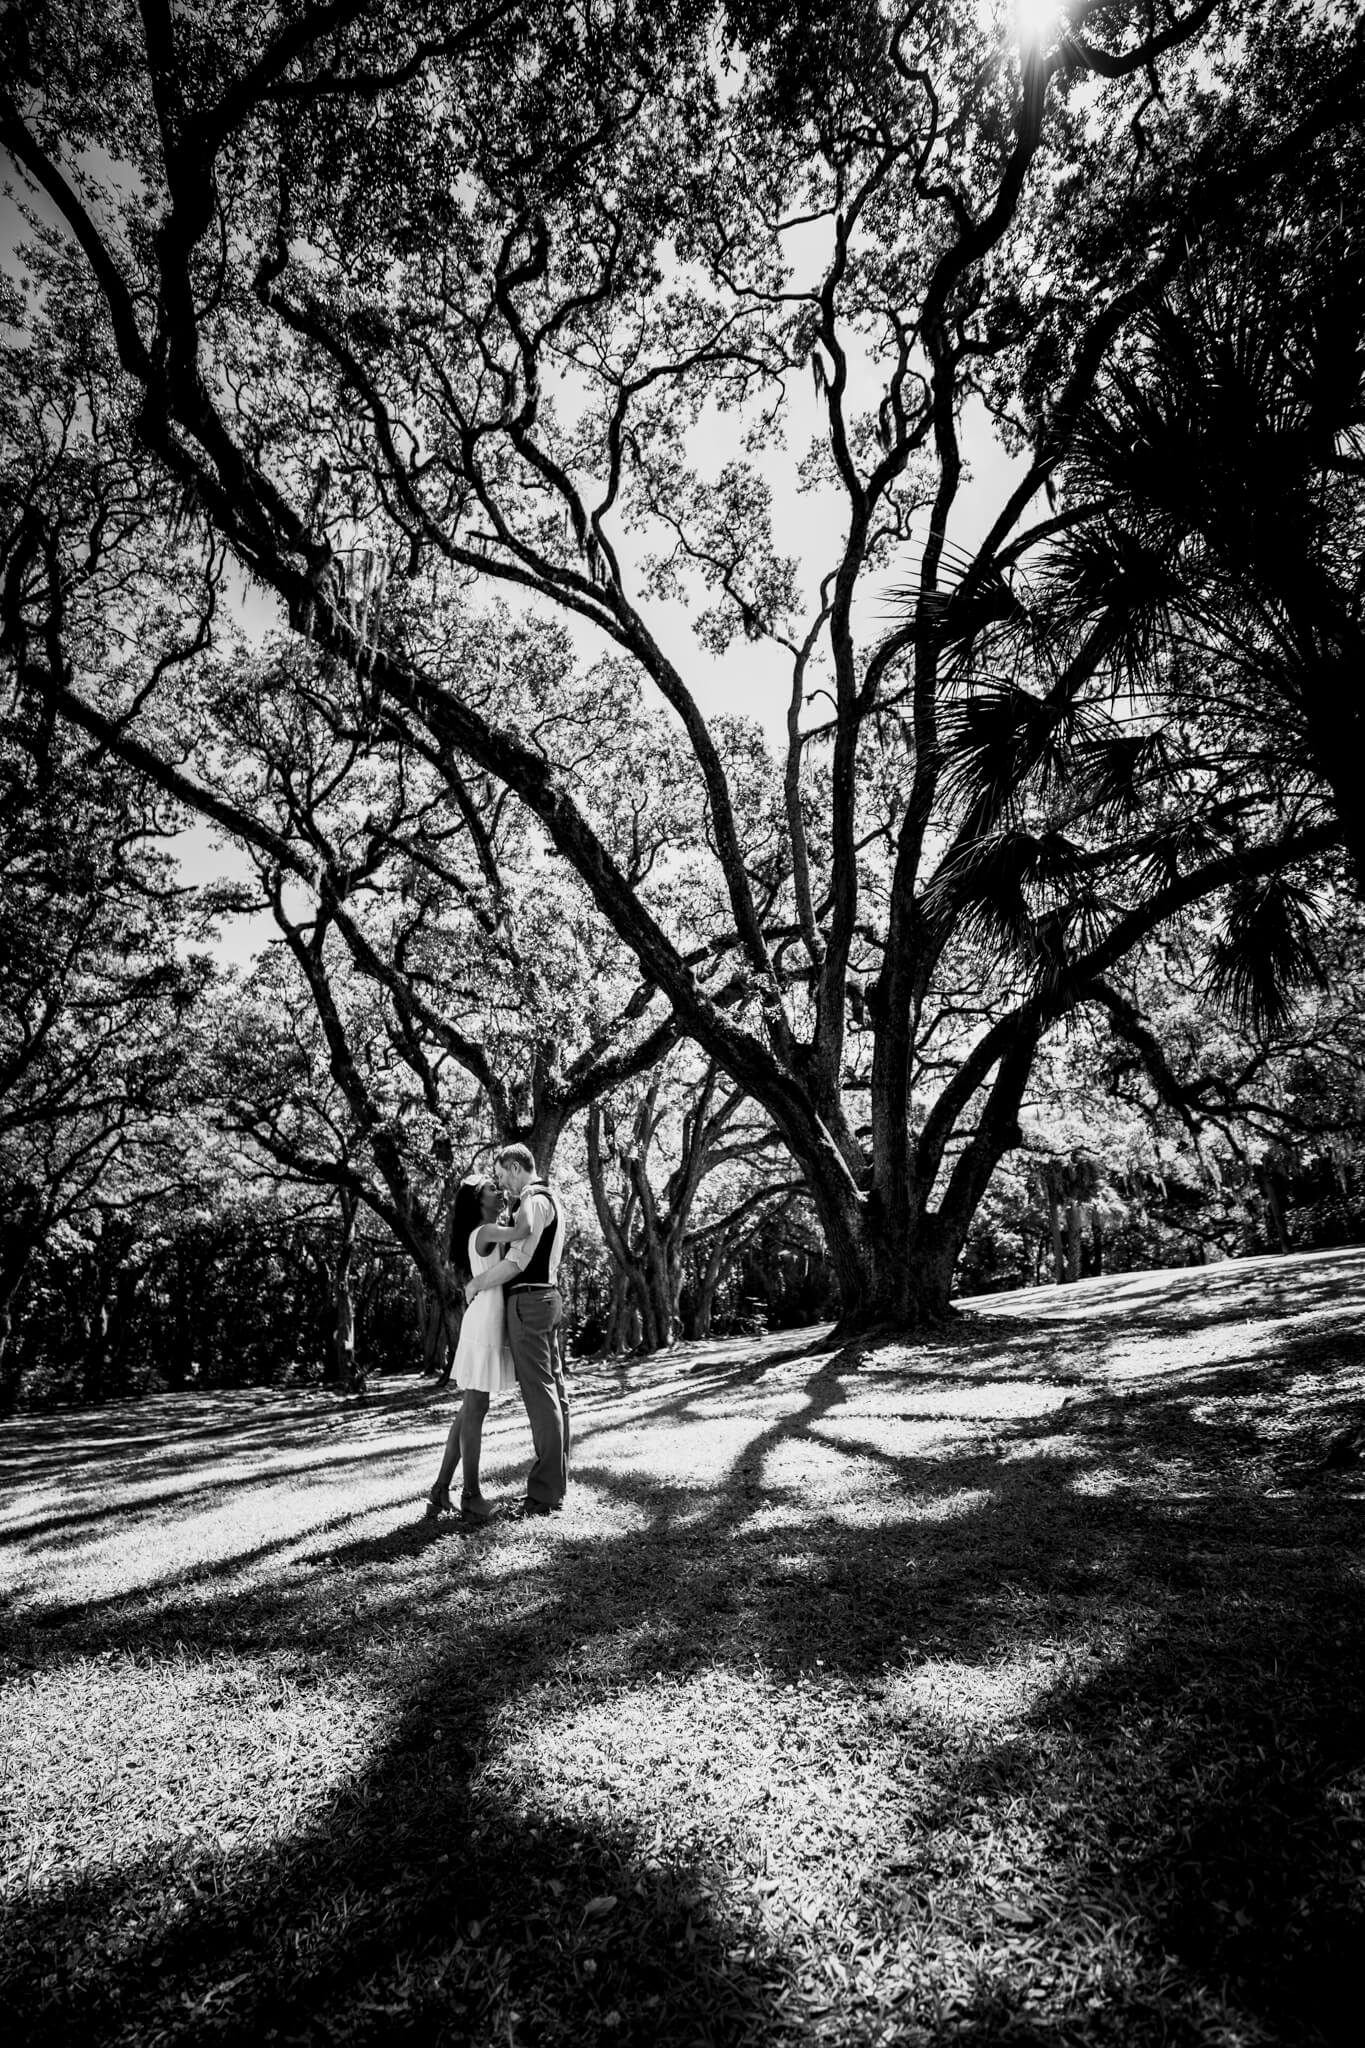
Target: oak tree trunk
[[342, 1360]]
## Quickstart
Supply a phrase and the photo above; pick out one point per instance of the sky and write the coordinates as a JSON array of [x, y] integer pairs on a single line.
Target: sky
[[750, 678]]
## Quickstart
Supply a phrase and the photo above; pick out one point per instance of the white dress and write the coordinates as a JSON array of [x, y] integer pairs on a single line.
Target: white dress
[[482, 1359]]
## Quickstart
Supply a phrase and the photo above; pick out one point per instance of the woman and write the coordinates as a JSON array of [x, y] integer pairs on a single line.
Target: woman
[[483, 1363]]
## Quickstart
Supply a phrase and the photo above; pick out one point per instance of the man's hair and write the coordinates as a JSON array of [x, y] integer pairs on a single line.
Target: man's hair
[[518, 1155]]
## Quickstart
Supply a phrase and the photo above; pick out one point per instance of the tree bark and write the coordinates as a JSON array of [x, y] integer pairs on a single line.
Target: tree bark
[[1075, 1239], [697, 1326], [11, 1280], [1275, 1205], [1054, 1219], [342, 1351], [437, 1327]]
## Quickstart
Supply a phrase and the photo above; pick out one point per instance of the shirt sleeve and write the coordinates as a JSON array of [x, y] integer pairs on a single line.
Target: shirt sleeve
[[537, 1211]]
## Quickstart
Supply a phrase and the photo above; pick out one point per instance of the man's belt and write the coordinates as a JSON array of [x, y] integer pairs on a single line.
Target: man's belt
[[531, 1287]]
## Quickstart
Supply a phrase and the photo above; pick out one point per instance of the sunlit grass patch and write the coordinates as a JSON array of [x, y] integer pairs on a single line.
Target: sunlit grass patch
[[114, 1758]]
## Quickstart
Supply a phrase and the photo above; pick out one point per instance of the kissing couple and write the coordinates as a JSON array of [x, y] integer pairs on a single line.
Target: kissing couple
[[506, 1237]]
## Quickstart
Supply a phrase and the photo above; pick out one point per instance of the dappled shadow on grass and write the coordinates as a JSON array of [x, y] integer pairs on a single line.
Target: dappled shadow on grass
[[412, 1906], [1193, 1297], [152, 1505], [163, 1436], [1207, 1782], [408, 1540], [1175, 1764], [412, 1909]]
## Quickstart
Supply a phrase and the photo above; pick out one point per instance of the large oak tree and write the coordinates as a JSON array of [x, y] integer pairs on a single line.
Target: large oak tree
[[464, 294]]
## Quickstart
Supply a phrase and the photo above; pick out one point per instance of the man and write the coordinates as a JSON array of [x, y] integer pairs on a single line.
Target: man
[[528, 1275]]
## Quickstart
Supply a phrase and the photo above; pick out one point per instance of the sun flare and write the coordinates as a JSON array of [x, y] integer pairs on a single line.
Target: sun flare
[[1035, 20]]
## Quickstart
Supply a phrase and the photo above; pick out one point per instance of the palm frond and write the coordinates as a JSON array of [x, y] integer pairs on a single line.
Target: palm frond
[[1127, 584], [1009, 891], [1185, 840], [1121, 772], [1266, 950], [965, 611], [1089, 918], [1002, 740]]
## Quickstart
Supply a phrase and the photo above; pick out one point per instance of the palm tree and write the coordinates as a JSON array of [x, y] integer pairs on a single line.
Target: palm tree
[[1224, 457], [1188, 654]]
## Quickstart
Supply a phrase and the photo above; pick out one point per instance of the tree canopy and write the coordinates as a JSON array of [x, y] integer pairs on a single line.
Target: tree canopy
[[405, 311]]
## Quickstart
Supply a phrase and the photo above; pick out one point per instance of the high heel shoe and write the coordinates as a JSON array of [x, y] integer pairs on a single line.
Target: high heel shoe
[[438, 1503], [475, 1510]]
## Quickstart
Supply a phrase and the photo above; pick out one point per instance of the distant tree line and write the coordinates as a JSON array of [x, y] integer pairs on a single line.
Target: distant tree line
[[238, 1277]]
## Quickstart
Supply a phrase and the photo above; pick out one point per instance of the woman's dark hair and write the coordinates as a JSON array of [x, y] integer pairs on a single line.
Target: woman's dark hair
[[466, 1219]]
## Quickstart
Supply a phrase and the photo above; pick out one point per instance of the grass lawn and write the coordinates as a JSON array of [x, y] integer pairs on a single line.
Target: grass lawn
[[1004, 1689]]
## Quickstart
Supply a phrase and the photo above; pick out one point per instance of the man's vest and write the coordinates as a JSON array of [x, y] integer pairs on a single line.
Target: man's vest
[[536, 1271]]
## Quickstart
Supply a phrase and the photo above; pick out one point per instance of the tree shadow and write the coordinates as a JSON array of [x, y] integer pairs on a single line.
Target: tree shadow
[[415, 1908], [1185, 1299], [264, 1464], [1241, 1699], [420, 1903]]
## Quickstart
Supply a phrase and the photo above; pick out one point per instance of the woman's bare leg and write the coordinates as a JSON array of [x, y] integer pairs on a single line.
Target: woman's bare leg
[[473, 1409], [439, 1497]]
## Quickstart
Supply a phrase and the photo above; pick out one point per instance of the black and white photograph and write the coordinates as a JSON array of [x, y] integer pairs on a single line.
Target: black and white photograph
[[682, 1023]]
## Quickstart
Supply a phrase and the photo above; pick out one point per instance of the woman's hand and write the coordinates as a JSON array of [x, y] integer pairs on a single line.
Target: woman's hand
[[506, 1233]]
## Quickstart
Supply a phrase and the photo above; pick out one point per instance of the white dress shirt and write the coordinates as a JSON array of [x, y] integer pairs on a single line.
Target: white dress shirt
[[536, 1210]]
